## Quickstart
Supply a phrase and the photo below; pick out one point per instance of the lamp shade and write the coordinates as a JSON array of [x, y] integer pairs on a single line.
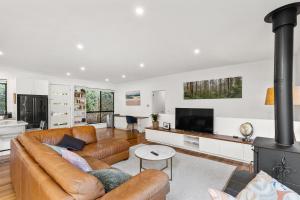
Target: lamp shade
[[270, 97]]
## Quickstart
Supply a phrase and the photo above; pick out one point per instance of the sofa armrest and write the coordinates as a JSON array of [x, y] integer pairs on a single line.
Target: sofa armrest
[[149, 184]]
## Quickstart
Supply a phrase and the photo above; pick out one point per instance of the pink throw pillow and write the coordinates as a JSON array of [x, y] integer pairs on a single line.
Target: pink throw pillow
[[76, 160]]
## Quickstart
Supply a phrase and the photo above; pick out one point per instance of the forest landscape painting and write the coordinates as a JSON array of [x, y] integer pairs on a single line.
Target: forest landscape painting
[[133, 98], [214, 89]]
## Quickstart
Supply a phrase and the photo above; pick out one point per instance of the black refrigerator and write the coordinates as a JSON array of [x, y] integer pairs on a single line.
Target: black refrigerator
[[32, 109]]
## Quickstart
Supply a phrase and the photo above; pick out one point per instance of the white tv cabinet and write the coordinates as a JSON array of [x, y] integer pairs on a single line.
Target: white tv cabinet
[[212, 144]]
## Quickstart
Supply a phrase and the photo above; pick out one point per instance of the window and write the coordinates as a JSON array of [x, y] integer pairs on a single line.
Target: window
[[99, 104], [3, 97]]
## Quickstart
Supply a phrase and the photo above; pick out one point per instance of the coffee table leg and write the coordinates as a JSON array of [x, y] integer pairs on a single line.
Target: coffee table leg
[[141, 165], [171, 169]]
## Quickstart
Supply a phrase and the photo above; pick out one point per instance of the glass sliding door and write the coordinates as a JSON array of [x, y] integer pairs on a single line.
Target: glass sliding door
[[3, 97], [99, 105], [93, 105], [107, 105]]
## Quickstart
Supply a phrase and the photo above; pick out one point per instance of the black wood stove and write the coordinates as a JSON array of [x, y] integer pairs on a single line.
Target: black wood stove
[[281, 157]]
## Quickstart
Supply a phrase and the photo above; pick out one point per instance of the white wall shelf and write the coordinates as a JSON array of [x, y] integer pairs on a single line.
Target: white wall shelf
[[79, 114]]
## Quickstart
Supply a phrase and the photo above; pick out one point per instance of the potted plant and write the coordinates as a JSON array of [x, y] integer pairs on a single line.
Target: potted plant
[[155, 122]]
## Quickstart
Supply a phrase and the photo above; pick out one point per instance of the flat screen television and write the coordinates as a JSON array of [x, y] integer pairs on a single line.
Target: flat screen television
[[195, 119]]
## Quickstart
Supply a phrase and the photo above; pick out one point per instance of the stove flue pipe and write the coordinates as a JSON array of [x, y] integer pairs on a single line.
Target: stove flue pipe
[[284, 19]]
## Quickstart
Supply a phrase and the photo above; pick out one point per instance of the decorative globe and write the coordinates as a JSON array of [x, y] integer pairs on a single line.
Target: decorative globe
[[246, 130]]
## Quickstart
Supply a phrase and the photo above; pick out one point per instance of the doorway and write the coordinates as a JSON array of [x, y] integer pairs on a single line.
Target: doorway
[[158, 101]]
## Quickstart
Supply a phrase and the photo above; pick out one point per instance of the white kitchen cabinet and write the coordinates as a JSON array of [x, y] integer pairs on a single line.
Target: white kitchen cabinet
[[40, 87], [9, 129], [31, 86]]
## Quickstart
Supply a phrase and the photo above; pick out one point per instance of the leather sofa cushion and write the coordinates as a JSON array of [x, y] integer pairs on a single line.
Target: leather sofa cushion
[[96, 163], [78, 184], [149, 184], [104, 148], [85, 133], [29, 180], [51, 136]]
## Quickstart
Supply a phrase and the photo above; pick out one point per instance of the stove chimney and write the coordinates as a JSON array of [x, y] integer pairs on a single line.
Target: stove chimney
[[284, 19]]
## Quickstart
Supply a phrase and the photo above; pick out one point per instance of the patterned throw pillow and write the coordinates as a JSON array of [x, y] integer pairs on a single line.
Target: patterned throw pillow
[[76, 160], [219, 195], [264, 187], [110, 178]]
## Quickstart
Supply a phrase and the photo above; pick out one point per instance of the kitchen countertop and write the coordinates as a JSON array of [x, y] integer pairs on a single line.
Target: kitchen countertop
[[10, 123]]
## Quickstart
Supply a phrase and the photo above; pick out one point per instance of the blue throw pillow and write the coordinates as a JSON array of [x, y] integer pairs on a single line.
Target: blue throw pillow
[[110, 178], [71, 143]]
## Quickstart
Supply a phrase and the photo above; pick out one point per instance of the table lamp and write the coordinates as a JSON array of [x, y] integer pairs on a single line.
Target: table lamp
[[270, 96]]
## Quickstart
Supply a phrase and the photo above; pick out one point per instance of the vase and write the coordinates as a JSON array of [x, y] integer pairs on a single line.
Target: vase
[[155, 124]]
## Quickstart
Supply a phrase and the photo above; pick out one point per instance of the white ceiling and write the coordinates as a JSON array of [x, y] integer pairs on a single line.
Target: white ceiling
[[41, 36]]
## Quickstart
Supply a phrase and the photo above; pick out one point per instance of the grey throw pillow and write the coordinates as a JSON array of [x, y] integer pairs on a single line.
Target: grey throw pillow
[[57, 149], [110, 178]]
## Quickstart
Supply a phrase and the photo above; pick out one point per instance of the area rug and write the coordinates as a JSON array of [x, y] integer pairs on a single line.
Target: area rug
[[192, 176]]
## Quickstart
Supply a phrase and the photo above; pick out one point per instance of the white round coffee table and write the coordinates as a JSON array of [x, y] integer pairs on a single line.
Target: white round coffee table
[[156, 153]]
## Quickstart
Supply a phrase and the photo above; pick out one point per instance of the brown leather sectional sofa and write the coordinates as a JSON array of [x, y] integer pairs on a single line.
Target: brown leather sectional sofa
[[39, 173]]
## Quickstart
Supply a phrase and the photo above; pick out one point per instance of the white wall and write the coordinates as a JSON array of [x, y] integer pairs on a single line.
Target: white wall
[[158, 101], [297, 69], [11, 74], [257, 77], [297, 82]]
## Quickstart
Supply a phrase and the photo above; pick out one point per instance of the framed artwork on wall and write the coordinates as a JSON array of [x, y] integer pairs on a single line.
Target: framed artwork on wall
[[166, 125], [133, 98], [222, 88]]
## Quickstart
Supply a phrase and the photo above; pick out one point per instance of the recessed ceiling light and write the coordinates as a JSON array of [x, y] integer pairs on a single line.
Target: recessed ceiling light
[[1, 53], [82, 68], [196, 51], [142, 65], [68, 74], [139, 11], [123, 76], [80, 46], [107, 80]]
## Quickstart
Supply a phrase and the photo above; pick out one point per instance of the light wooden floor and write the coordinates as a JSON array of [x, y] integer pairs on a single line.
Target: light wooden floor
[[6, 190]]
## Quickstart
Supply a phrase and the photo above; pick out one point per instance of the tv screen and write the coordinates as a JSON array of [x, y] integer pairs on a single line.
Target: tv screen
[[195, 119]]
